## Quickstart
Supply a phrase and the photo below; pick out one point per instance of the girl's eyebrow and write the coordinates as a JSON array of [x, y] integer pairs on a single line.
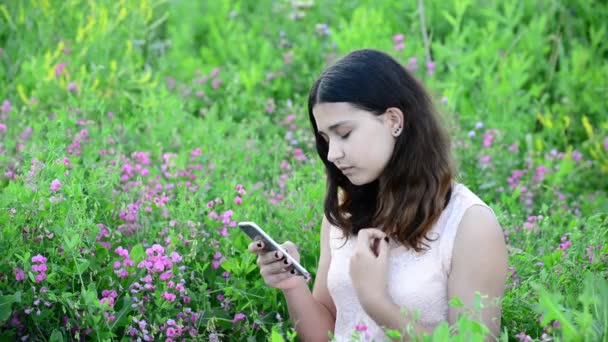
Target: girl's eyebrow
[[335, 126]]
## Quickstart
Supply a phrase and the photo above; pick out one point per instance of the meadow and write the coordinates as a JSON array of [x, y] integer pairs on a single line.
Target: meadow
[[134, 135]]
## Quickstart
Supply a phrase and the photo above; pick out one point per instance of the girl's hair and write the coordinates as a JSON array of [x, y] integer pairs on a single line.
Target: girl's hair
[[410, 194]]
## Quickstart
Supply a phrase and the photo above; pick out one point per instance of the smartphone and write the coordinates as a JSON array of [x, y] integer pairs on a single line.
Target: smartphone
[[256, 233]]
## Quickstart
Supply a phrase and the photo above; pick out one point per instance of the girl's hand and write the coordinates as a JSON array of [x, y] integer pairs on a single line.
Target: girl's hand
[[369, 266], [275, 269]]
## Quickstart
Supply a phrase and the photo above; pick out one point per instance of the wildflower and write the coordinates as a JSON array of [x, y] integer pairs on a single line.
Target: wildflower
[[523, 337], [72, 87], [471, 134], [398, 38], [59, 69], [485, 160], [168, 296], [412, 64], [55, 185], [238, 200], [361, 327], [577, 156], [6, 107], [238, 317], [430, 66], [19, 274], [39, 259]]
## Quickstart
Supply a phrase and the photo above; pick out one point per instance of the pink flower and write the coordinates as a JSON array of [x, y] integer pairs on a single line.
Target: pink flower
[[72, 87], [2, 127], [55, 185], [523, 337], [175, 257], [238, 317], [412, 64], [59, 69], [39, 258], [19, 274], [361, 327], [122, 252], [166, 276], [39, 268], [6, 107], [430, 66], [238, 200], [485, 160], [168, 296], [398, 38], [40, 277], [171, 332]]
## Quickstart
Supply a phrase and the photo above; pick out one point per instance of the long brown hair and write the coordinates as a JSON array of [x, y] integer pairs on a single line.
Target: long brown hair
[[414, 188]]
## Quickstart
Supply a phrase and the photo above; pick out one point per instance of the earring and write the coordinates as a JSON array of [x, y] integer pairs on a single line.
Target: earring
[[397, 130]]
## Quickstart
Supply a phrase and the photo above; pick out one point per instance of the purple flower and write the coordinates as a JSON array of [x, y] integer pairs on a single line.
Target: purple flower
[[430, 67], [398, 38], [55, 185], [168, 296], [238, 317], [39, 258], [577, 156], [361, 327], [19, 274], [6, 107], [72, 87]]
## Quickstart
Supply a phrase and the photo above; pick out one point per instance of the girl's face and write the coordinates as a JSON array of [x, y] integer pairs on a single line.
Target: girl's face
[[360, 143]]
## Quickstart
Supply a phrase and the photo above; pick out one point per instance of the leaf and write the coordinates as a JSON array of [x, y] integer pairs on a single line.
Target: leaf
[[275, 336], [230, 265], [588, 127], [552, 310], [137, 253], [56, 336], [6, 307], [122, 315], [82, 266], [456, 302]]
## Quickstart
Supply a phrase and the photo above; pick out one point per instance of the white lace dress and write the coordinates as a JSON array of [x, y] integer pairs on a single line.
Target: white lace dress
[[417, 281]]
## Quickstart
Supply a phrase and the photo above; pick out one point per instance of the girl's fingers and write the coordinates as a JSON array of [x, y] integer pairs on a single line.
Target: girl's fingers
[[281, 266], [256, 246], [277, 278], [268, 258]]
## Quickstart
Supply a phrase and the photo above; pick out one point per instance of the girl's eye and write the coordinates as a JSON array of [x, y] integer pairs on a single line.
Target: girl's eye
[[345, 135]]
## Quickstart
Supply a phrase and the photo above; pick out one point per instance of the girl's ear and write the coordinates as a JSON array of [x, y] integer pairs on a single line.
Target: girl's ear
[[395, 120]]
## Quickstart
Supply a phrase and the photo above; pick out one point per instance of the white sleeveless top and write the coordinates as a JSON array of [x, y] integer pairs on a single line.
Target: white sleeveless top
[[416, 281]]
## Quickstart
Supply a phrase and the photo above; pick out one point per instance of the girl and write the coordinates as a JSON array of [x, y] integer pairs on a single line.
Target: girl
[[399, 238]]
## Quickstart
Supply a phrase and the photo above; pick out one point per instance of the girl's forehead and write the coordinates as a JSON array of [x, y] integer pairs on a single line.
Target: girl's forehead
[[329, 113]]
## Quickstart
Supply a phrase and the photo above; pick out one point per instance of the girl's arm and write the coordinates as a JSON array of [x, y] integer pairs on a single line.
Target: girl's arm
[[314, 314]]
